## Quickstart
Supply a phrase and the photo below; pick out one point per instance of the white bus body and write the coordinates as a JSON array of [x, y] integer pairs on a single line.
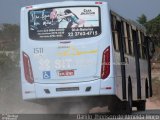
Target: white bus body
[[58, 61]]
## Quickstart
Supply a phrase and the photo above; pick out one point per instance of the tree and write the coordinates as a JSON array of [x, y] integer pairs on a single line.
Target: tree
[[142, 19], [153, 29], [9, 37]]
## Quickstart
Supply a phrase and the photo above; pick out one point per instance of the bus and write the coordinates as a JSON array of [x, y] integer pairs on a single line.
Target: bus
[[82, 49]]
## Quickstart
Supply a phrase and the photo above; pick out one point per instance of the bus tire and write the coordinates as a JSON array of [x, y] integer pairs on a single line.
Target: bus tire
[[115, 107], [146, 89], [141, 105]]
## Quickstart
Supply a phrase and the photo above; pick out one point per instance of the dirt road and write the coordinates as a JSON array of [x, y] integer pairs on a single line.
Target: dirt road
[[11, 100]]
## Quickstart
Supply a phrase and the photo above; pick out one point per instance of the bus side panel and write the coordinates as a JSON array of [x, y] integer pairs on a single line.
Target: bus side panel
[[131, 72], [117, 75], [144, 76]]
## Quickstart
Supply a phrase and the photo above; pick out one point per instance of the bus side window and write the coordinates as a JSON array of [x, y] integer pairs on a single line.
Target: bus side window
[[114, 32], [126, 38], [112, 27], [130, 42], [139, 44], [144, 52]]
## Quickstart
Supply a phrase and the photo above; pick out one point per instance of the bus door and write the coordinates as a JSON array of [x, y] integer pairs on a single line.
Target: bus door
[[136, 54]]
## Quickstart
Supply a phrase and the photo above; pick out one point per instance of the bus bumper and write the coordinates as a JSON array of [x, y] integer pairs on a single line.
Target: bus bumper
[[90, 88]]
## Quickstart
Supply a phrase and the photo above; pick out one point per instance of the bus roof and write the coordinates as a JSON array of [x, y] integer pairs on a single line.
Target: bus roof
[[129, 21], [66, 2]]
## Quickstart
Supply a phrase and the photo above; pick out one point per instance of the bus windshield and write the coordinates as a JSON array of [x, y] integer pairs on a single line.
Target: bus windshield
[[62, 23]]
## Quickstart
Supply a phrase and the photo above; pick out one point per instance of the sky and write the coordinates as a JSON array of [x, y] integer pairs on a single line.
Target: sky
[[131, 9]]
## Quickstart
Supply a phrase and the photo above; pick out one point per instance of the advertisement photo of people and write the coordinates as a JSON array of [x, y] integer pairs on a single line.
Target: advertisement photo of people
[[65, 22]]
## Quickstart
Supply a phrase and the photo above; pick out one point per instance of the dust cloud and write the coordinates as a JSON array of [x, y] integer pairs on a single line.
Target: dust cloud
[[11, 100]]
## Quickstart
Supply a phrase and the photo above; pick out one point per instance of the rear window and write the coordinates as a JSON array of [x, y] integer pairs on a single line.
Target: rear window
[[62, 23]]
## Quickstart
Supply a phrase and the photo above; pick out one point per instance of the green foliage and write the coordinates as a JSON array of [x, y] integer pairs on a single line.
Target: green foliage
[[10, 32], [9, 46], [6, 64], [153, 29], [142, 19], [9, 37]]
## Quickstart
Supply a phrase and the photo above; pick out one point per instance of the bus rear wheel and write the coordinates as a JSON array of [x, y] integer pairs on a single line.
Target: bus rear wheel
[[115, 106], [141, 105]]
